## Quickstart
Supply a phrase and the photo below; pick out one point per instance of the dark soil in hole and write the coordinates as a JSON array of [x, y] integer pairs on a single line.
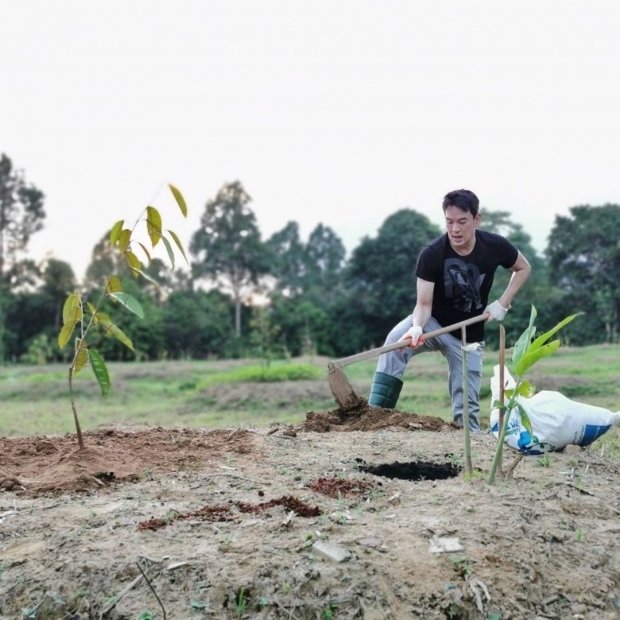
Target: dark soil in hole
[[416, 470]]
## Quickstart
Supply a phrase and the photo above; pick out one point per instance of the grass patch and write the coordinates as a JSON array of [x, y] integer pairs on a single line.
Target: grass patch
[[34, 400], [262, 374]]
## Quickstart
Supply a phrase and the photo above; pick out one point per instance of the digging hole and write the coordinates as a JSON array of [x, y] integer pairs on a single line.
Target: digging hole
[[416, 470]]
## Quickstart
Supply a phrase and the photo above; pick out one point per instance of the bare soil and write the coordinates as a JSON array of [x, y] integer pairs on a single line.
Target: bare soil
[[358, 514]]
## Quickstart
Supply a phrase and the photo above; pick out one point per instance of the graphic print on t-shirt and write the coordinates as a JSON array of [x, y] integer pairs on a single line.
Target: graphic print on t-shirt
[[462, 282]]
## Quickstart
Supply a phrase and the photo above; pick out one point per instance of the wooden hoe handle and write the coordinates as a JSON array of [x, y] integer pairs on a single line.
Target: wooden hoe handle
[[401, 344]]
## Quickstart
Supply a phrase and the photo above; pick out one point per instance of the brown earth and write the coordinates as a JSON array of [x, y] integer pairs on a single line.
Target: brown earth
[[290, 522]]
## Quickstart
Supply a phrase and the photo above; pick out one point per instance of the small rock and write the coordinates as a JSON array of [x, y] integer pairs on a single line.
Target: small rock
[[331, 552], [444, 545]]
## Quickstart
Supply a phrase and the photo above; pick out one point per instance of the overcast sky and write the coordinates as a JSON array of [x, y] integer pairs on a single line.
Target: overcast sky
[[338, 112]]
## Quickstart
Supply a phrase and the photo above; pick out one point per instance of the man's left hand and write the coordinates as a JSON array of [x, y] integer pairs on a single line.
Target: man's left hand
[[497, 311]]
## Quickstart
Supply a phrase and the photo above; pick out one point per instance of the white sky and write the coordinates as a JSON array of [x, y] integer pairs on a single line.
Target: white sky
[[337, 112]]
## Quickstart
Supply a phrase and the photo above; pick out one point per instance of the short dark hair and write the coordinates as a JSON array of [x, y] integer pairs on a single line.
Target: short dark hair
[[463, 199]]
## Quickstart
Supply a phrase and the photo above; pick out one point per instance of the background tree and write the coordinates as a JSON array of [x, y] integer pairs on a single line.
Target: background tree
[[536, 291], [584, 261], [58, 280], [288, 260], [21, 213], [227, 247], [381, 280], [197, 324], [324, 260]]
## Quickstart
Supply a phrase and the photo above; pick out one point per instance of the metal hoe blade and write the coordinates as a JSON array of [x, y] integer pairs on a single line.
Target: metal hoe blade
[[341, 388]]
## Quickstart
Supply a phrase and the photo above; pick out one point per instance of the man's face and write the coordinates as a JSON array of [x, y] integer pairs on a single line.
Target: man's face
[[461, 227]]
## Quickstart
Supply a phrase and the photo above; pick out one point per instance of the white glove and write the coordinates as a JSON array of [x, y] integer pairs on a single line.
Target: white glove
[[414, 333], [496, 310]]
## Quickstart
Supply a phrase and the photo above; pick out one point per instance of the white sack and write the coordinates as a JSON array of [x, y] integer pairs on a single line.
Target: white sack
[[556, 421]]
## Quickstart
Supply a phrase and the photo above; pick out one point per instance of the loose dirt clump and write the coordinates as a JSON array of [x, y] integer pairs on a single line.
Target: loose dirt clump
[[225, 513], [336, 487], [368, 418]]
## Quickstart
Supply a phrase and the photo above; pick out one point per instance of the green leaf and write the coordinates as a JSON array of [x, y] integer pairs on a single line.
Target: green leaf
[[525, 419], [133, 261], [526, 389], [81, 358], [116, 231], [72, 309], [153, 224], [100, 370], [544, 337], [179, 198], [65, 333], [129, 302], [123, 239], [529, 359], [169, 250], [114, 285], [179, 244], [110, 329], [146, 276], [524, 340]]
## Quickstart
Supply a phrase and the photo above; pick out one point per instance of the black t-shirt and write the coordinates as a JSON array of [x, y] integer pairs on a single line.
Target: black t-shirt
[[463, 283]]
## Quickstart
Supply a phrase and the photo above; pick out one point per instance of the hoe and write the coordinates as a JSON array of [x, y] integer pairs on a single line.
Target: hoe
[[341, 388]]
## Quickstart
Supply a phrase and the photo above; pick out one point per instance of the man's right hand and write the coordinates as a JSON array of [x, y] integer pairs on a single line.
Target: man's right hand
[[414, 333]]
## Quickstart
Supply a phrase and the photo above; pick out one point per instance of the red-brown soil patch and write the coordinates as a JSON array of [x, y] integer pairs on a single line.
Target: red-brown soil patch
[[36, 465]]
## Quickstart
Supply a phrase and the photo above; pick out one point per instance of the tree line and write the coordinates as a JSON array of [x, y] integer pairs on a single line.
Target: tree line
[[283, 296]]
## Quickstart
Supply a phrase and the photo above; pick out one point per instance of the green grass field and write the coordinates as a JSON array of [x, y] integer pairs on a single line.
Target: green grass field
[[34, 400]]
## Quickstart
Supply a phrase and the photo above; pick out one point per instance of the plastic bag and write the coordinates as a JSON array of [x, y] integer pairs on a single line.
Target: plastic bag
[[556, 421]]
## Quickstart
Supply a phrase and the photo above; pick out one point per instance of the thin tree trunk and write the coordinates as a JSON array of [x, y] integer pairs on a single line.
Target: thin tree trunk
[[238, 315]]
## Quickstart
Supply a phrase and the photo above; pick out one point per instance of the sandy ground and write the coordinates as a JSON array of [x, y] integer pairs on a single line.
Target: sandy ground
[[290, 522]]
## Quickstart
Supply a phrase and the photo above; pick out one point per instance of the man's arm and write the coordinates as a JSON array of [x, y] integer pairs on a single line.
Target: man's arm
[[424, 304], [422, 311], [520, 273]]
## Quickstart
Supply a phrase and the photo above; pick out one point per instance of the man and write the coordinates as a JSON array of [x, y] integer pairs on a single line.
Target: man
[[454, 278]]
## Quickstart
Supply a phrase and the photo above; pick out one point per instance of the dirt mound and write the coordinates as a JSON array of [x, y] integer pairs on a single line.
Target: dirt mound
[[368, 418], [36, 465]]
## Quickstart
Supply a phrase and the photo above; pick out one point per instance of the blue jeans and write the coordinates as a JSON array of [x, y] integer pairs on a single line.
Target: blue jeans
[[395, 362]]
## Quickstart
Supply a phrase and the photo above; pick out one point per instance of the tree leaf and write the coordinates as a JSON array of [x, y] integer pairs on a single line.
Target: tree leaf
[[179, 198], [529, 359], [146, 276], [524, 340], [116, 231], [100, 370], [81, 358], [133, 261], [92, 308], [169, 250], [65, 333], [179, 244], [153, 224], [129, 302], [114, 285], [72, 309], [526, 389], [145, 251], [544, 337], [124, 239], [525, 419], [110, 329]]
